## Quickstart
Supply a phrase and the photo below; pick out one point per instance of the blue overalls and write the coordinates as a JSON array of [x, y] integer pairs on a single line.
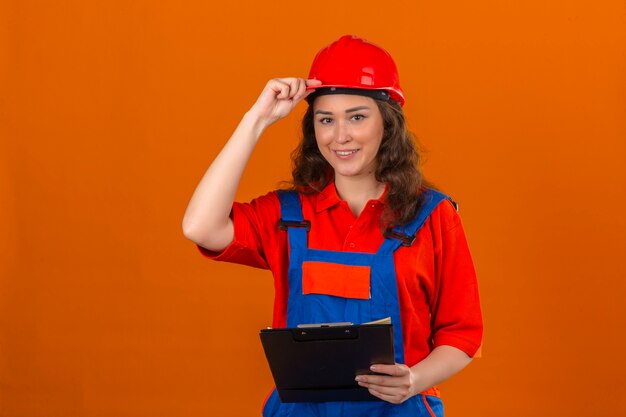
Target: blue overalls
[[322, 308]]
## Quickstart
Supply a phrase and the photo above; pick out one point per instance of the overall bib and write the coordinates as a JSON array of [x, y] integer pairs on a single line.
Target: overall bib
[[332, 297]]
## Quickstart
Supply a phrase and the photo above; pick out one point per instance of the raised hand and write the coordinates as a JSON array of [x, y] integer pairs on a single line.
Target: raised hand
[[280, 96]]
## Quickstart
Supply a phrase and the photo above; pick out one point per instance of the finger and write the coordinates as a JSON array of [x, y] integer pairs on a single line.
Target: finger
[[291, 88], [380, 380], [280, 88], [391, 391], [393, 370], [302, 91], [310, 86], [313, 83]]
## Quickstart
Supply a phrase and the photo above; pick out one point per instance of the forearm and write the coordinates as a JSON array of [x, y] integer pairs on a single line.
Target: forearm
[[206, 220], [442, 363]]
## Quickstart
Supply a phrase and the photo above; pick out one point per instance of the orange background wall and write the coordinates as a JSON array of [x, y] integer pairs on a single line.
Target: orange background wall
[[110, 112]]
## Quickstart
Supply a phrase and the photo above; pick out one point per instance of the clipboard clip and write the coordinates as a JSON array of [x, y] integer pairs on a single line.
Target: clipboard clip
[[325, 333], [317, 325]]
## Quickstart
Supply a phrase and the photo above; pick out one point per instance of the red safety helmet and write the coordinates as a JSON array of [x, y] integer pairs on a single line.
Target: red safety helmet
[[356, 64]]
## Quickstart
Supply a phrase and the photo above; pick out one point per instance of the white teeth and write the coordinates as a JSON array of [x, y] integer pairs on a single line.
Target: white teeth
[[344, 153]]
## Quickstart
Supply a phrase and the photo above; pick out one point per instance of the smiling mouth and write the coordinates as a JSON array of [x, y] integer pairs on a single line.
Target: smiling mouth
[[346, 153]]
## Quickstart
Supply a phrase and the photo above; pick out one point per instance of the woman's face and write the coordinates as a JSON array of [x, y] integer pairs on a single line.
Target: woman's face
[[348, 130]]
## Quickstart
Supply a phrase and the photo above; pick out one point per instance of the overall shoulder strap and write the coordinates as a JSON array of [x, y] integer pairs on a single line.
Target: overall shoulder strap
[[292, 221], [291, 211], [405, 235]]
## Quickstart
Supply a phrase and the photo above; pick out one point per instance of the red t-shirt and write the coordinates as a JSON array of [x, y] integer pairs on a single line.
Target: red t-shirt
[[437, 285]]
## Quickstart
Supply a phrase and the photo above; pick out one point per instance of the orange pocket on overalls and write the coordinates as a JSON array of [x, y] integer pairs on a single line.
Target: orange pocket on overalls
[[348, 281]]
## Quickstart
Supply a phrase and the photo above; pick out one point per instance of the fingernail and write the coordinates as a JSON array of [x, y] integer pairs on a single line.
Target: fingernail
[[357, 379], [373, 367]]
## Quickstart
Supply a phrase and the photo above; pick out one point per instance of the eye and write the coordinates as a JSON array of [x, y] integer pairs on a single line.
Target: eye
[[325, 120], [358, 117]]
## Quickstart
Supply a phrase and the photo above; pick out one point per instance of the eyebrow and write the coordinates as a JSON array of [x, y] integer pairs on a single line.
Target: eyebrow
[[350, 110]]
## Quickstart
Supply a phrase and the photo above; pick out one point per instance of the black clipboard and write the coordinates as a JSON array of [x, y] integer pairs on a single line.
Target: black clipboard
[[316, 364]]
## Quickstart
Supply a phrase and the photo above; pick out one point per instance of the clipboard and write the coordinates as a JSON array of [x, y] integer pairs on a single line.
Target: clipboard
[[319, 362]]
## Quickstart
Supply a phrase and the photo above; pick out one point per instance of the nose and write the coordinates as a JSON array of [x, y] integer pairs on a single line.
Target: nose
[[342, 134]]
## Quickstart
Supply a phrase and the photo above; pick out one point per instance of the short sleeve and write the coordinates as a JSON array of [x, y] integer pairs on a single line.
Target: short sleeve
[[457, 317], [256, 224]]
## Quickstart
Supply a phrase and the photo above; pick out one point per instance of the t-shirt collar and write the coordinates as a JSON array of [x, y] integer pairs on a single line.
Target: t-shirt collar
[[328, 197]]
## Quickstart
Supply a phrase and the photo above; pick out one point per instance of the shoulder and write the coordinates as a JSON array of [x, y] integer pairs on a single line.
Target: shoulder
[[269, 205], [267, 201], [262, 209], [305, 198], [444, 215]]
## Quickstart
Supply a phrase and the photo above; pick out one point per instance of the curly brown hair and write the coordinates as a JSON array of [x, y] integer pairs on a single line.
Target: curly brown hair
[[398, 165]]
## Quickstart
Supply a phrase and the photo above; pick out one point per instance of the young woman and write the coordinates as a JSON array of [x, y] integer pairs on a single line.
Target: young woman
[[360, 236]]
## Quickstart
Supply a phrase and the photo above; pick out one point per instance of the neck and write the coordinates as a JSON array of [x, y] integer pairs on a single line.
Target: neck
[[358, 191]]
